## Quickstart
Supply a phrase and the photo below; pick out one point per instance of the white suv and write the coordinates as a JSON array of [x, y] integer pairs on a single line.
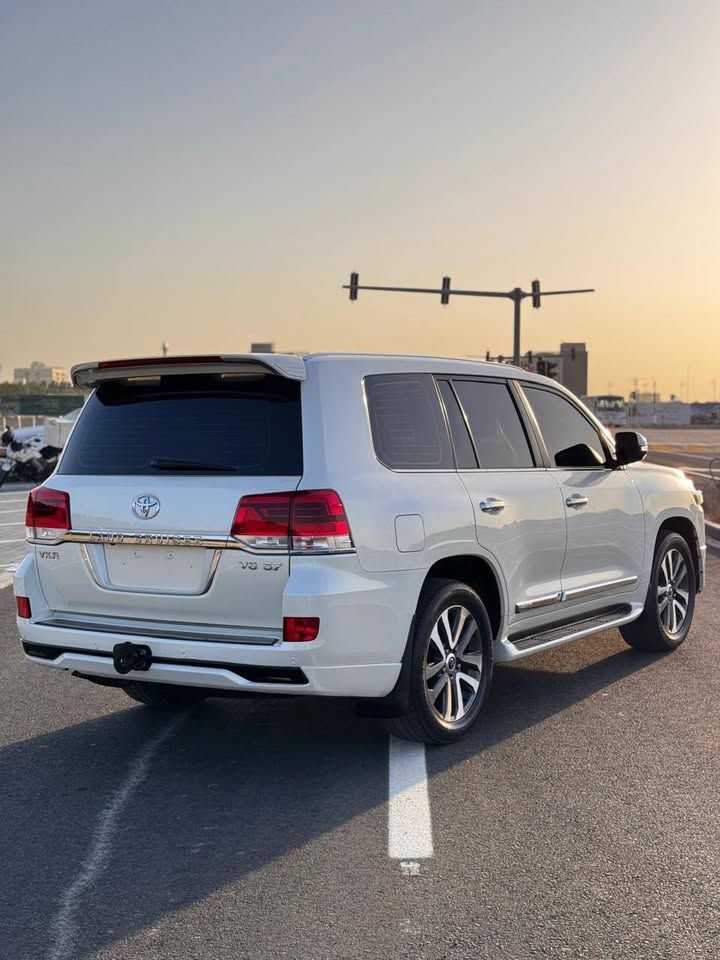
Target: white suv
[[376, 527]]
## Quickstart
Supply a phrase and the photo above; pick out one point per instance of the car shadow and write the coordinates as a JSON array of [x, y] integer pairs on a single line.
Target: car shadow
[[238, 785]]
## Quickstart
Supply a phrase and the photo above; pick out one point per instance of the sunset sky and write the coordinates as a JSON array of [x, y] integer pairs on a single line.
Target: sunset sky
[[210, 172]]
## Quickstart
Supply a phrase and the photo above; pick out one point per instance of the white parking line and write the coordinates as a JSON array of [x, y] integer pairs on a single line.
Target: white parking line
[[409, 818], [16, 540], [65, 923], [13, 523]]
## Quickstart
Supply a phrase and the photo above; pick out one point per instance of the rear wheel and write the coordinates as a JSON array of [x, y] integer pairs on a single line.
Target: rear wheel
[[670, 601], [164, 694], [451, 664]]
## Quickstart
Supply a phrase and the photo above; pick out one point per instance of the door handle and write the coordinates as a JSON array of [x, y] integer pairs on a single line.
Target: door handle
[[492, 504], [576, 500]]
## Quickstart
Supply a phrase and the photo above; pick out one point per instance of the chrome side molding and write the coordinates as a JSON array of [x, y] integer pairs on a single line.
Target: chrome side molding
[[598, 588], [546, 601], [552, 598]]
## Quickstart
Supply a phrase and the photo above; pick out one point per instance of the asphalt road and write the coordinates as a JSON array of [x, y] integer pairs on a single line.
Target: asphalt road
[[580, 819]]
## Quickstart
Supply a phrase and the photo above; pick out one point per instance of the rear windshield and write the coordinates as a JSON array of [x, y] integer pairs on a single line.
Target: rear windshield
[[209, 423]]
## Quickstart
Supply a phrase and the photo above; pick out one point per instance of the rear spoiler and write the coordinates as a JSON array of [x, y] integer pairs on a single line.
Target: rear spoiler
[[87, 375]]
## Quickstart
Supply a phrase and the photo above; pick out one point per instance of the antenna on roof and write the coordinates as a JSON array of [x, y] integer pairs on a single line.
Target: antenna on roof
[[517, 295]]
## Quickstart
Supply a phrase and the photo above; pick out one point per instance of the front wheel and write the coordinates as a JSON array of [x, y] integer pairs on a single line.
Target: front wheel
[[451, 664], [670, 601]]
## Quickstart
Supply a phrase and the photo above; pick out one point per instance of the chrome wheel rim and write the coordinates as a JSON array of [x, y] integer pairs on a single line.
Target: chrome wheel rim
[[453, 665], [673, 592]]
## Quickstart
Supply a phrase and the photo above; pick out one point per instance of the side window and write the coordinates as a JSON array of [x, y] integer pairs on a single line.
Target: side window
[[464, 453], [570, 438], [408, 428], [498, 433]]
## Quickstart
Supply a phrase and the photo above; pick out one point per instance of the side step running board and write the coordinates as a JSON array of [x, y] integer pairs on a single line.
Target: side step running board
[[569, 631]]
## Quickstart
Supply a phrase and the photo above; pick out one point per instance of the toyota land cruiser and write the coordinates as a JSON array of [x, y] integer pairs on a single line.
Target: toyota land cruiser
[[375, 527]]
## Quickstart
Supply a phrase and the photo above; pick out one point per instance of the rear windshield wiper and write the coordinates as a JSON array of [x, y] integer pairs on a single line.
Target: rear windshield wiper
[[165, 463]]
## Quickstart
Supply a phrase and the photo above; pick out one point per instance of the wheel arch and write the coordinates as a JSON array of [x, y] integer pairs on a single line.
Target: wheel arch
[[686, 529], [468, 568], [477, 573]]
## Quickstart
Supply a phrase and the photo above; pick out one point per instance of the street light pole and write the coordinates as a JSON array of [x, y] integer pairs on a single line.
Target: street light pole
[[517, 300], [517, 295]]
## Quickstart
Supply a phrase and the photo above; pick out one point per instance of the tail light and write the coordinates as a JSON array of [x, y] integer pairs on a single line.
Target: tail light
[[300, 629], [309, 521], [263, 521], [23, 607], [48, 514]]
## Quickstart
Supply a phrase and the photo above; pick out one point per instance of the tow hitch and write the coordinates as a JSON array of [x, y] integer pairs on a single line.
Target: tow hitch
[[131, 656]]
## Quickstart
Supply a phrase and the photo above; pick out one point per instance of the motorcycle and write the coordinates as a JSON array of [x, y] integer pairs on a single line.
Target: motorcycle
[[26, 461]]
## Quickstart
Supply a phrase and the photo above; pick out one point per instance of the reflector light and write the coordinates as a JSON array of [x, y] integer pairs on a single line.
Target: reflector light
[[23, 607], [308, 521], [48, 514], [300, 629]]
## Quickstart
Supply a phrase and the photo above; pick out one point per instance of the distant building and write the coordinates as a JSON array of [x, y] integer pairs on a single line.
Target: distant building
[[671, 413], [40, 373], [569, 366]]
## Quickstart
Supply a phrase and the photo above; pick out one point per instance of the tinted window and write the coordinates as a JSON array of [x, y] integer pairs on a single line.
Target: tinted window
[[495, 423], [408, 428], [464, 453], [567, 433], [151, 425]]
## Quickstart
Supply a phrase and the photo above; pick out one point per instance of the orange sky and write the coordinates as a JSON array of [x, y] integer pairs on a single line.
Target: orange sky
[[210, 176]]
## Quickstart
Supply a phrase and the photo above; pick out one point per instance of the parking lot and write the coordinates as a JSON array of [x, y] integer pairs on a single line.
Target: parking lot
[[578, 819], [13, 500]]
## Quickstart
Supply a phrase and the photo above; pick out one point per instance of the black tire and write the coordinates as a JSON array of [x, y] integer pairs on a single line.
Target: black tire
[[164, 694], [652, 631], [422, 721]]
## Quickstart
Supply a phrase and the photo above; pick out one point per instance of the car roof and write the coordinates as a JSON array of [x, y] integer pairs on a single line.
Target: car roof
[[420, 363]]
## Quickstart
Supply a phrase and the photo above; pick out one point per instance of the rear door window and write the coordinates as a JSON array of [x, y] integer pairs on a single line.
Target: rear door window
[[465, 458], [497, 430], [209, 423], [407, 424]]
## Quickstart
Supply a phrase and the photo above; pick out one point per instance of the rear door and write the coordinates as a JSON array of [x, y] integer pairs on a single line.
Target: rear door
[[519, 514], [155, 468], [605, 516]]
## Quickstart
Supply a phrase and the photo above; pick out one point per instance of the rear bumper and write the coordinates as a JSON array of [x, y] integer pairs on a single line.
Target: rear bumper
[[363, 630], [365, 680]]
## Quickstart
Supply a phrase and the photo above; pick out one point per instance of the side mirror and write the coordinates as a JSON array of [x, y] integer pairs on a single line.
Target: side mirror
[[579, 456], [630, 447]]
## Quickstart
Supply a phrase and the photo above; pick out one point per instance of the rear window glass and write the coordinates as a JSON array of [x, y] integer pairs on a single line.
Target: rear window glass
[[408, 428], [214, 423]]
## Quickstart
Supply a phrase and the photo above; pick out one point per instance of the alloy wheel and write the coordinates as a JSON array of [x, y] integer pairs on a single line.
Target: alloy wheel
[[453, 665], [673, 594]]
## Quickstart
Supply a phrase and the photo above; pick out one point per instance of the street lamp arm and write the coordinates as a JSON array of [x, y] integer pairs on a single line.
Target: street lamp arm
[[452, 293], [557, 293]]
